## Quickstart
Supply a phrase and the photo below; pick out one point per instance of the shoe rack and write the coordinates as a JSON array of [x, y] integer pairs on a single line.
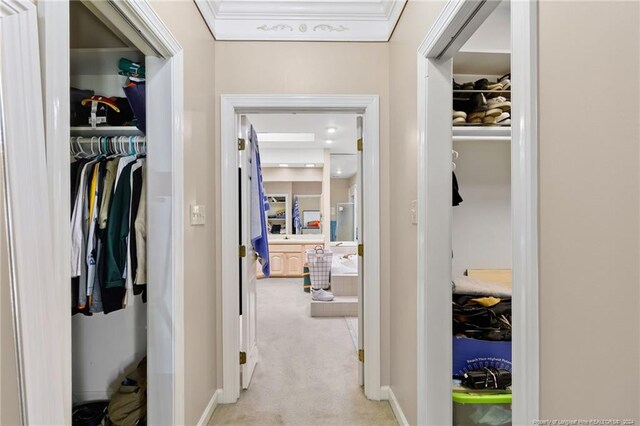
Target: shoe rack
[[485, 102]]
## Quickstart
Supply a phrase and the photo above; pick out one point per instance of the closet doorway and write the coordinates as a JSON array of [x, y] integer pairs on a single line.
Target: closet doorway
[[312, 222], [497, 227], [103, 47]]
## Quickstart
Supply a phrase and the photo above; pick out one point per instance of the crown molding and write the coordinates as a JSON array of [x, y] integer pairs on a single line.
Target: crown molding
[[299, 20]]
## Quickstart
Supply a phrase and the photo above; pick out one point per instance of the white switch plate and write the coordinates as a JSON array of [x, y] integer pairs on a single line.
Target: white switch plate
[[198, 216], [414, 212]]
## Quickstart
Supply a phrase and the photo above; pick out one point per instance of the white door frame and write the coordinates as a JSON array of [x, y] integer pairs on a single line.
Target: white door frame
[[165, 322], [234, 104], [41, 370], [457, 22]]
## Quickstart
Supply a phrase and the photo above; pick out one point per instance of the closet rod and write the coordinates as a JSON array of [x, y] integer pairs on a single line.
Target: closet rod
[[481, 138], [125, 140]]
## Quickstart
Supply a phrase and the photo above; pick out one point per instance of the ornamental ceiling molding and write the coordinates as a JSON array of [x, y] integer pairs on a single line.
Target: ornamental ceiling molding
[[301, 20], [303, 28]]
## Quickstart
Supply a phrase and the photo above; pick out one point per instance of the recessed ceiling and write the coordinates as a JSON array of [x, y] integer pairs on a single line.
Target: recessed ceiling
[[339, 128], [305, 20]]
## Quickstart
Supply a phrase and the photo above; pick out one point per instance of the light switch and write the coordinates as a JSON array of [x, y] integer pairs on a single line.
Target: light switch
[[197, 215], [414, 212]]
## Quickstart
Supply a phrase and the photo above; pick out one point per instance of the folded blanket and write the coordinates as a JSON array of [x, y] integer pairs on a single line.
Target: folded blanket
[[476, 287]]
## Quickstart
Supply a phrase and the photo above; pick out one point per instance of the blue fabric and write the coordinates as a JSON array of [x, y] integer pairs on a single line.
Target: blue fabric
[[297, 223], [260, 237], [334, 225]]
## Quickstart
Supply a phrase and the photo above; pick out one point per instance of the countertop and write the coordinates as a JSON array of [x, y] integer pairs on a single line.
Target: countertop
[[295, 241]]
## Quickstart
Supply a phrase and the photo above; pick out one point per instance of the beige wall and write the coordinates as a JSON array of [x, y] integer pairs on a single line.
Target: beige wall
[[307, 188], [414, 24], [291, 174], [589, 320], [312, 68], [186, 24], [339, 193], [9, 398]]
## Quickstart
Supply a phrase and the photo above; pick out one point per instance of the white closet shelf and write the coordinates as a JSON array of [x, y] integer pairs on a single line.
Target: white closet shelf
[[481, 133], [101, 61], [88, 131]]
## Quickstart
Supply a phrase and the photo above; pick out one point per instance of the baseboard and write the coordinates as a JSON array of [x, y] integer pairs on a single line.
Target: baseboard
[[387, 393], [211, 407]]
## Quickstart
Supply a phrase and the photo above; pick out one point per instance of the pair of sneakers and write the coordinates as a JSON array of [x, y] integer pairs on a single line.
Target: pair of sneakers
[[321, 295]]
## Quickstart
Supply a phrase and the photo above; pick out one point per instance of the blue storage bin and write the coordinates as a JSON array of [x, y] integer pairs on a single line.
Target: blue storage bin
[[472, 354]]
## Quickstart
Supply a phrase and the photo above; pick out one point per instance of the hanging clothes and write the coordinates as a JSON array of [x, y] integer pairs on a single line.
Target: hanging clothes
[[456, 198], [108, 205], [259, 207]]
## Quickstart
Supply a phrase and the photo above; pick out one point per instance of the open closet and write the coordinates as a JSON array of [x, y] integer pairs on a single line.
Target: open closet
[[481, 225], [125, 102], [108, 222]]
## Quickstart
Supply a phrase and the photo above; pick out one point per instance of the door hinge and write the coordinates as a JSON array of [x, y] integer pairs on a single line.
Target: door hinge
[[243, 358], [360, 144], [361, 355], [241, 144], [360, 250], [242, 251]]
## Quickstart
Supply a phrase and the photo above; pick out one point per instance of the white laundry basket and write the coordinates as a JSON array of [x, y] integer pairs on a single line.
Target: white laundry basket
[[319, 261]]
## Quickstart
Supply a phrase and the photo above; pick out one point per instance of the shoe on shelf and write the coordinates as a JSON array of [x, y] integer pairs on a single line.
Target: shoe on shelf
[[489, 120], [478, 102], [493, 112], [466, 86], [495, 86], [475, 117], [457, 121], [459, 114], [482, 84], [506, 81], [499, 102], [321, 295], [456, 86], [504, 118]]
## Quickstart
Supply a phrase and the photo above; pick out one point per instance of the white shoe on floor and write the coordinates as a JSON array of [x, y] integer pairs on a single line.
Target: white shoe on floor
[[321, 295]]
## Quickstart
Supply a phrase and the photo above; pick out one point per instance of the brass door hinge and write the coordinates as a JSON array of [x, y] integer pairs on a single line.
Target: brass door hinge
[[360, 144], [361, 355], [242, 251], [241, 144], [360, 250], [243, 358]]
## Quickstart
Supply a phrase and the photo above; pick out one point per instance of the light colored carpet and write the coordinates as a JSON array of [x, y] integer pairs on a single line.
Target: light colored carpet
[[307, 373]]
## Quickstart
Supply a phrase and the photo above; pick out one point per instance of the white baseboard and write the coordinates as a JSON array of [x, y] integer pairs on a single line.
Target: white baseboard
[[387, 393], [211, 407]]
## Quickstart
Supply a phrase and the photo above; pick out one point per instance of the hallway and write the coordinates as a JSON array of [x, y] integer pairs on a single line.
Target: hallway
[[307, 374]]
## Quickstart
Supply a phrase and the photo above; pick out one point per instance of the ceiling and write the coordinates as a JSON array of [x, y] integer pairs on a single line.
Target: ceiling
[[307, 136], [303, 20]]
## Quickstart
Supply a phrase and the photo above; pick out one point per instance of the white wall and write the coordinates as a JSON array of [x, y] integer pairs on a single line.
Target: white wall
[[482, 222], [292, 174], [105, 347]]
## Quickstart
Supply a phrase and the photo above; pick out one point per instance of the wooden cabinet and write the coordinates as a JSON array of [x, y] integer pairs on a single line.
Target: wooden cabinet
[[287, 260], [277, 262], [293, 264]]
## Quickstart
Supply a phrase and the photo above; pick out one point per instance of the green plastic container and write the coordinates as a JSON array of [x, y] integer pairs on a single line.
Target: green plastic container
[[481, 409], [306, 281]]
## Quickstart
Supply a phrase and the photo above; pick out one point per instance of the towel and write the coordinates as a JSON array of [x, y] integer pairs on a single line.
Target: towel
[[260, 207], [473, 286], [297, 223]]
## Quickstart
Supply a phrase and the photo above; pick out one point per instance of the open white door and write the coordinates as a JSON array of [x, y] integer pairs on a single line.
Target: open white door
[[41, 319], [248, 276], [359, 220]]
